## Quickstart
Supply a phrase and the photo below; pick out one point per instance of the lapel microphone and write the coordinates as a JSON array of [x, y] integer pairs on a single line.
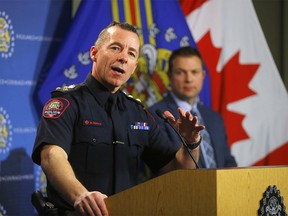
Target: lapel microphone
[[162, 116]]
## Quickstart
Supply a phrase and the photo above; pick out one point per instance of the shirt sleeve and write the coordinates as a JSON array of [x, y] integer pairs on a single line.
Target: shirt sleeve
[[56, 125], [161, 150]]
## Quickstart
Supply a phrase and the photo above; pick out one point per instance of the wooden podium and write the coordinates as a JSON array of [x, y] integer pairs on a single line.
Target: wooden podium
[[236, 191]]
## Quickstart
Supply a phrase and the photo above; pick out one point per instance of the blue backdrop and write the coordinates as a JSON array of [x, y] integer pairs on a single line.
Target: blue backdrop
[[30, 33]]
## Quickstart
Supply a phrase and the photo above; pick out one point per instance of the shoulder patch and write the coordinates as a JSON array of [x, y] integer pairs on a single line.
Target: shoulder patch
[[55, 107]]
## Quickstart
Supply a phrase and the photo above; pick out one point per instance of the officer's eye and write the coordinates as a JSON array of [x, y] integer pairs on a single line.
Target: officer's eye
[[115, 48], [132, 54]]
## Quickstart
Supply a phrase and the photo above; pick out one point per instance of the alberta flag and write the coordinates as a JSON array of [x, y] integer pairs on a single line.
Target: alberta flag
[[162, 28], [245, 84]]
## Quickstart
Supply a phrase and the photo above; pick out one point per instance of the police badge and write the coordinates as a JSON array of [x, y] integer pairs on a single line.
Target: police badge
[[272, 203]]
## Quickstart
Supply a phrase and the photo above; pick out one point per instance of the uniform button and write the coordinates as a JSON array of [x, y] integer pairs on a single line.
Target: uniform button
[[94, 140]]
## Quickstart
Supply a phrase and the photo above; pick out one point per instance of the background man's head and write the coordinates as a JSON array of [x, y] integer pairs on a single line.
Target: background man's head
[[186, 73]]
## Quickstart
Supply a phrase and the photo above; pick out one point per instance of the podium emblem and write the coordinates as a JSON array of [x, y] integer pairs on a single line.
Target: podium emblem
[[272, 203]]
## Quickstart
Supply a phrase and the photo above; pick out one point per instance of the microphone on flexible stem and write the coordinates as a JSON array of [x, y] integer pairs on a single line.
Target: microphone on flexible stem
[[162, 116]]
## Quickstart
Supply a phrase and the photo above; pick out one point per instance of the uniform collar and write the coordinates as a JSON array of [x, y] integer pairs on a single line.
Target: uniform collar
[[100, 92]]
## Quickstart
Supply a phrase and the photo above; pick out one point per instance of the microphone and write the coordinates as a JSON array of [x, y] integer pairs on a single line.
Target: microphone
[[162, 116]]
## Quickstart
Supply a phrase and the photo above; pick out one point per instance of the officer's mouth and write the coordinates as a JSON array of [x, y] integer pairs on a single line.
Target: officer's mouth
[[118, 70]]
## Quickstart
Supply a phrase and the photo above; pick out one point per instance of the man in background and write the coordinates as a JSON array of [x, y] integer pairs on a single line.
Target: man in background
[[186, 73]]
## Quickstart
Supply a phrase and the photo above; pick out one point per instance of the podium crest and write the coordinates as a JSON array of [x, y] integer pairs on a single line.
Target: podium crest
[[272, 203]]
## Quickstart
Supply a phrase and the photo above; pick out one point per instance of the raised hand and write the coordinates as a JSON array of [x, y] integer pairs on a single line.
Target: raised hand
[[186, 124]]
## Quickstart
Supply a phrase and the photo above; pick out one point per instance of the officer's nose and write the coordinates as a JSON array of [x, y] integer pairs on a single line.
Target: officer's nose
[[123, 58]]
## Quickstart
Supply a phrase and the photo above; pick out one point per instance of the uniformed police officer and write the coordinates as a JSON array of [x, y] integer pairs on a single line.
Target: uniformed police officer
[[92, 137]]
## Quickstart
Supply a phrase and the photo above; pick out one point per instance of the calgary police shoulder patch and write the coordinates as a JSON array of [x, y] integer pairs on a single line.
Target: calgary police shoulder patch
[[55, 107]]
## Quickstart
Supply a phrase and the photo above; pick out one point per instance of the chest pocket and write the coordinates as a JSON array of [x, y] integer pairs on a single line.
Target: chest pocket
[[138, 139], [96, 142], [93, 142], [94, 134]]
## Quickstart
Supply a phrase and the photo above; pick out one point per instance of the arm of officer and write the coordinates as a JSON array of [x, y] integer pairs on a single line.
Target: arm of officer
[[188, 127], [55, 164]]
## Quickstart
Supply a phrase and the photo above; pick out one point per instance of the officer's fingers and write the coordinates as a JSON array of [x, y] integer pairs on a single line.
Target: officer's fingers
[[91, 210], [189, 116], [199, 128], [99, 205], [103, 208], [170, 116], [171, 119], [80, 209], [85, 205], [181, 112], [195, 120]]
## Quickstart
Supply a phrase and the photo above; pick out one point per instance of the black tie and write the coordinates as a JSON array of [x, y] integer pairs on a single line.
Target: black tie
[[117, 112], [118, 127]]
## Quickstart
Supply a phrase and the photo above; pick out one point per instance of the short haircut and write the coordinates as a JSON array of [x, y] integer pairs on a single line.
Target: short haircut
[[103, 36], [186, 51]]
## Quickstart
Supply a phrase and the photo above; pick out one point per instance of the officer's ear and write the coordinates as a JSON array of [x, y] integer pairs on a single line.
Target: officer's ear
[[93, 51]]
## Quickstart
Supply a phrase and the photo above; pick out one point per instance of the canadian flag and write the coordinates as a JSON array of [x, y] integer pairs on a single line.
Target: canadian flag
[[246, 87]]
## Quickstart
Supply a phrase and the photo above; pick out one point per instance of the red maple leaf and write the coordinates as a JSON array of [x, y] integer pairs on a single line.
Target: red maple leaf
[[227, 86]]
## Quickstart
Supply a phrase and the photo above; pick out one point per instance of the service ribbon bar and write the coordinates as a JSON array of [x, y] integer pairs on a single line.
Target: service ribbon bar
[[140, 126]]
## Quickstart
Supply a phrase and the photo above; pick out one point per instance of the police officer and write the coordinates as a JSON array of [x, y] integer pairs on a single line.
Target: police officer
[[92, 136]]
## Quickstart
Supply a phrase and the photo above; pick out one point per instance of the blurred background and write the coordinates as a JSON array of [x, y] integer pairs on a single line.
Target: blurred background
[[45, 44]]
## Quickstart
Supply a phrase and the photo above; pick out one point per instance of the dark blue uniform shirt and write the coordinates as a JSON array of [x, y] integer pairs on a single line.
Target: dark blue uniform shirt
[[76, 120]]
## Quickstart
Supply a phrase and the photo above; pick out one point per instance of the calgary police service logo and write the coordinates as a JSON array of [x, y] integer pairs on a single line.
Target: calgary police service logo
[[5, 131], [272, 203], [7, 39]]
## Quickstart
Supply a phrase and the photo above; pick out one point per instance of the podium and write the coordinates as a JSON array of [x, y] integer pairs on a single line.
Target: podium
[[236, 191]]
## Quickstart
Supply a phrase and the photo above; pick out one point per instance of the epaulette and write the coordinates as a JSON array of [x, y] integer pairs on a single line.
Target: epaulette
[[64, 89], [130, 97]]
